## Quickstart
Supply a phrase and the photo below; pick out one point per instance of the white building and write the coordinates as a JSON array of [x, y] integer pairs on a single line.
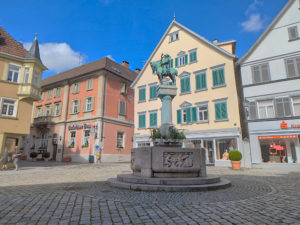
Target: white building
[[270, 73]]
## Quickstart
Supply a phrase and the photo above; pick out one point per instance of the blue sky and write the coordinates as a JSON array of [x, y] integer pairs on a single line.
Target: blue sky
[[72, 32]]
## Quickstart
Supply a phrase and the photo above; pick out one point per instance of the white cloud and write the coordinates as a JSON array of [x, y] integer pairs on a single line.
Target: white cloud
[[254, 23], [59, 57], [253, 7]]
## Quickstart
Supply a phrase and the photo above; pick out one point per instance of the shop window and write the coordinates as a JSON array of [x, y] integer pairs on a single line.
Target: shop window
[[72, 139], [144, 144], [224, 146], [260, 73], [13, 73], [120, 139], [218, 77], [266, 109], [283, 107], [203, 113], [293, 67], [142, 94], [296, 106], [26, 75], [8, 107], [86, 139]]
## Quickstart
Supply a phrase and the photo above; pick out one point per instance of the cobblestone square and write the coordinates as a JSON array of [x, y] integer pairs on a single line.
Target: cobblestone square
[[60, 193]]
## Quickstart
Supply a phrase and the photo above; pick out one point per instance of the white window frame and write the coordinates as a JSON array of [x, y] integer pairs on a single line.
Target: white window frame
[[202, 111], [48, 110], [89, 84], [122, 146], [15, 107], [56, 109], [36, 78], [88, 104], [26, 75], [265, 104], [174, 36], [181, 61], [260, 73], [14, 71], [76, 88], [290, 29], [72, 139], [297, 102], [75, 106], [86, 139], [294, 62], [123, 88]]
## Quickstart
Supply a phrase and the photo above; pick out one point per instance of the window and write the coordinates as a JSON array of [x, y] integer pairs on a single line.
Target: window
[[224, 146], [266, 109], [38, 112], [86, 138], [120, 139], [123, 88], [181, 60], [193, 56], [72, 139], [142, 120], [173, 36], [8, 107], [293, 67], [88, 104], [142, 94], [296, 106], [49, 94], [283, 107], [13, 73], [153, 119], [187, 115], [293, 33], [185, 86], [57, 109], [122, 108], [221, 111], [57, 92], [75, 107], [203, 113], [260, 73], [36, 78], [26, 75], [89, 84], [75, 88], [218, 77], [48, 110], [153, 92], [201, 81], [252, 113]]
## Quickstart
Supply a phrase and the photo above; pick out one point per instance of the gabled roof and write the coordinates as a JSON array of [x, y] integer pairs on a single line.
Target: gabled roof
[[266, 32], [10, 46], [204, 40], [34, 51], [104, 63]]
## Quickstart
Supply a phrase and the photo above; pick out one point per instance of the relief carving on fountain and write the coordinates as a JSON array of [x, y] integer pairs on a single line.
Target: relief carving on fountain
[[177, 159]]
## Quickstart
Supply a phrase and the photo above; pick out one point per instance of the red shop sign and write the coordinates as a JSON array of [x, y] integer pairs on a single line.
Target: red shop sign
[[284, 125], [277, 137]]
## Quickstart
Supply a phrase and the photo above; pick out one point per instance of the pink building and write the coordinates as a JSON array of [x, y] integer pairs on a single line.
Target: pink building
[[83, 110]]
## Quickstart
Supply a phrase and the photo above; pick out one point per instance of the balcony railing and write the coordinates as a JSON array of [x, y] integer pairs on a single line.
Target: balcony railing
[[28, 90], [42, 120]]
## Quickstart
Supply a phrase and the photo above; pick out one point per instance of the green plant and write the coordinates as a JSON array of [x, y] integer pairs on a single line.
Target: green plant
[[235, 155], [33, 154], [84, 146], [155, 134], [176, 135], [46, 154]]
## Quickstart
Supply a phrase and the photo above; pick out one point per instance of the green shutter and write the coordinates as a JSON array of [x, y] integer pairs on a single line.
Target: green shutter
[[142, 94], [142, 121], [182, 85], [223, 107], [185, 59], [215, 78], [188, 115], [203, 80], [187, 84], [153, 120], [171, 63], [198, 82], [194, 114], [218, 111], [178, 116], [221, 77], [195, 56], [176, 62]]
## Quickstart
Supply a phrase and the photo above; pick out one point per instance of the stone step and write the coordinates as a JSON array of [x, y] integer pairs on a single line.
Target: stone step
[[130, 178], [224, 183]]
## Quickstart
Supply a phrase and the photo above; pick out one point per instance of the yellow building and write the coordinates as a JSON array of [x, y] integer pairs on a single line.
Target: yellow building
[[206, 107], [20, 75]]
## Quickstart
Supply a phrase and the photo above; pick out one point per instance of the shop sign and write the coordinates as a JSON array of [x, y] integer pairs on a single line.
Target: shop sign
[[78, 127], [284, 125], [277, 137]]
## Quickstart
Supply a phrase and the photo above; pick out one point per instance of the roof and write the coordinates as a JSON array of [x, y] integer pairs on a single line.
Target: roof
[[267, 31], [104, 63], [34, 51], [10, 46], [174, 22]]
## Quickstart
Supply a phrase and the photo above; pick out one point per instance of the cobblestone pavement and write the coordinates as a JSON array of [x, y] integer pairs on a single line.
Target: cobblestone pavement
[[57, 193]]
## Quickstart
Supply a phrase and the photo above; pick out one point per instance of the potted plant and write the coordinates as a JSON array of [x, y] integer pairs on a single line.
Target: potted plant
[[33, 156], [46, 156], [235, 157]]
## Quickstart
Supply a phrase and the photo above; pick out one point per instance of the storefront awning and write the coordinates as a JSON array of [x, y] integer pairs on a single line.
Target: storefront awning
[[277, 137]]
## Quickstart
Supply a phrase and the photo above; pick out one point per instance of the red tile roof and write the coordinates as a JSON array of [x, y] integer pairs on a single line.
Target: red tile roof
[[10, 46]]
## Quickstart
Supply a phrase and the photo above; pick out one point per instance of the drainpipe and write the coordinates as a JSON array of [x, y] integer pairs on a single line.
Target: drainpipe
[[65, 121], [103, 110]]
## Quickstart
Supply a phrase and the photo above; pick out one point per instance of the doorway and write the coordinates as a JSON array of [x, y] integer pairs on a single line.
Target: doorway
[[54, 152], [208, 145]]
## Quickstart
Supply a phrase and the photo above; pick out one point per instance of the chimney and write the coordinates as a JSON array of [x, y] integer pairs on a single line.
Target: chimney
[[125, 63], [215, 41], [137, 70]]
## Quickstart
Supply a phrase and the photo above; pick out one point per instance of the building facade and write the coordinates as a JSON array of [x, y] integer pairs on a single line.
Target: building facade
[[206, 107], [20, 75], [84, 110], [270, 73]]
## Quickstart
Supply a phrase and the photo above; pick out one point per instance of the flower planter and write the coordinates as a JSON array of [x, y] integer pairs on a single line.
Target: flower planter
[[236, 165]]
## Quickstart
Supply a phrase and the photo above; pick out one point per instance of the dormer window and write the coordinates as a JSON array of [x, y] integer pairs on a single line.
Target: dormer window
[[173, 36], [293, 33], [123, 88]]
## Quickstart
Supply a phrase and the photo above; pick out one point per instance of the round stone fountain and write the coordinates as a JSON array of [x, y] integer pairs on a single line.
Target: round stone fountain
[[167, 166]]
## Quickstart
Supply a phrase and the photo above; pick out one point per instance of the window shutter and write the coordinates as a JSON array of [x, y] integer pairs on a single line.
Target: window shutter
[[279, 107], [155, 119], [84, 105], [256, 74], [59, 108], [73, 88], [215, 78], [176, 62], [188, 115], [198, 82], [224, 110], [191, 57], [194, 114], [72, 107], [218, 111], [182, 85], [221, 77], [178, 116], [55, 92], [187, 83], [265, 72], [185, 59], [142, 121], [195, 56], [203, 81], [93, 103], [151, 119], [298, 65], [52, 108], [142, 94], [252, 111], [79, 106]]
